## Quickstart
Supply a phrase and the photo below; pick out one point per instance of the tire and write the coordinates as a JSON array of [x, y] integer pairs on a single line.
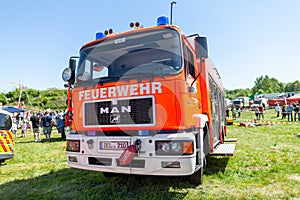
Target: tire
[[197, 177], [206, 140], [223, 135], [109, 174]]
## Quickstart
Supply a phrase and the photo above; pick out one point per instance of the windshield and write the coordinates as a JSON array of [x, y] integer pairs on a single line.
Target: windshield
[[139, 55]]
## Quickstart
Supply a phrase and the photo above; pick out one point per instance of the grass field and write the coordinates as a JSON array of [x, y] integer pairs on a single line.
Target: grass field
[[266, 165]]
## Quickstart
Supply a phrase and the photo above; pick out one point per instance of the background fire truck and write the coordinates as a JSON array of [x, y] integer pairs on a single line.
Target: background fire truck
[[6, 136], [146, 101]]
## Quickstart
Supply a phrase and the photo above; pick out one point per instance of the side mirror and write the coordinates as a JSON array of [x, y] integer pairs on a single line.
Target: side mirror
[[68, 74], [72, 63], [201, 47]]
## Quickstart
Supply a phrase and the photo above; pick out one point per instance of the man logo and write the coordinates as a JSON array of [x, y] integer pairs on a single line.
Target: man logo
[[122, 109], [90, 143], [115, 119]]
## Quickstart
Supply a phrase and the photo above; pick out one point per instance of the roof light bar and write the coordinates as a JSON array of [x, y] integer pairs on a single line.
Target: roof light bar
[[99, 35], [163, 20]]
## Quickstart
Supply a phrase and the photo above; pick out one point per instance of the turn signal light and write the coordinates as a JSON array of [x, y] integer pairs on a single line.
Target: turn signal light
[[187, 147], [73, 145]]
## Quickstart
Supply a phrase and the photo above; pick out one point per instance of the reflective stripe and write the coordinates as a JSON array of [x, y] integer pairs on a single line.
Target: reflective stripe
[[6, 140], [10, 135], [3, 148]]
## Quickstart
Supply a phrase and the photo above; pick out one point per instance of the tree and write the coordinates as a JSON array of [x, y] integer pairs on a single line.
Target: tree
[[231, 94], [292, 87], [264, 84], [3, 99]]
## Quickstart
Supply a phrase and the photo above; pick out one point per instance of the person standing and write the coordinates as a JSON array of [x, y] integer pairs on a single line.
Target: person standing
[[257, 112], [261, 111], [47, 122], [233, 110], [24, 129], [283, 112], [239, 111], [296, 111], [277, 109], [60, 123], [15, 127], [35, 124], [289, 111], [299, 111]]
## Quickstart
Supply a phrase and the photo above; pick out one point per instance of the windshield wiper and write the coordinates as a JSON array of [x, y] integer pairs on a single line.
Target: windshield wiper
[[142, 75], [108, 79]]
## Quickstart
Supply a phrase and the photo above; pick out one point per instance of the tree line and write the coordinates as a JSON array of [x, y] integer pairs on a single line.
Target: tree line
[[54, 98], [264, 85]]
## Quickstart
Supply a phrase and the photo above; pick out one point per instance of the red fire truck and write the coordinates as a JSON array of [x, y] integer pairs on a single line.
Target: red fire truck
[[146, 101]]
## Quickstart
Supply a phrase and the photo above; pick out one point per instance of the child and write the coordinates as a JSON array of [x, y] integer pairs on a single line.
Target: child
[[24, 127], [15, 127]]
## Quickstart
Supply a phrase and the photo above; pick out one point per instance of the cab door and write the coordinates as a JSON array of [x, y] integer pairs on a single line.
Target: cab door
[[190, 74]]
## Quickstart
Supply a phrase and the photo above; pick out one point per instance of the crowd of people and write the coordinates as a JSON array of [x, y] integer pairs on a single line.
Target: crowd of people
[[291, 112], [38, 123]]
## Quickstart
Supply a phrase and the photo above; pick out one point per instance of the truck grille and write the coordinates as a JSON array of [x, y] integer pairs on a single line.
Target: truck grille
[[133, 111], [133, 164]]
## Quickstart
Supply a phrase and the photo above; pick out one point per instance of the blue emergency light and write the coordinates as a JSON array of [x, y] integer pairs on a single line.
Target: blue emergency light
[[163, 20], [100, 35]]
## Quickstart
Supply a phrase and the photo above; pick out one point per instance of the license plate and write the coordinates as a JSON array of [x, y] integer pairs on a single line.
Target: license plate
[[116, 145]]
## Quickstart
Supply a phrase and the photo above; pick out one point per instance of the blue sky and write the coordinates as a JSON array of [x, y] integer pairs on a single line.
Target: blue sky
[[247, 38]]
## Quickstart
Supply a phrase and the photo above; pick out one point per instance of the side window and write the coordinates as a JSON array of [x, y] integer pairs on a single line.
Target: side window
[[99, 71], [191, 66], [189, 62], [5, 122], [84, 72]]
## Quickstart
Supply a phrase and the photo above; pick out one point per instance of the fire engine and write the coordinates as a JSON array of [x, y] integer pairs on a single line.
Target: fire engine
[[145, 101], [6, 136]]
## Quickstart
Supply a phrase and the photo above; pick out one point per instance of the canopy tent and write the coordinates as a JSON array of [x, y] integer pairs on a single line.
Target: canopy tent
[[295, 98], [13, 109]]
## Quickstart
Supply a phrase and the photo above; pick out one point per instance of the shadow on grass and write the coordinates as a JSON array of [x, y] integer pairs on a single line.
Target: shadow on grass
[[216, 165], [80, 184], [55, 139]]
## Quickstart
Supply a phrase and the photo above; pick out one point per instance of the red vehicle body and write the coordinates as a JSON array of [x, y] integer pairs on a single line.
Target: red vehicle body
[[146, 101]]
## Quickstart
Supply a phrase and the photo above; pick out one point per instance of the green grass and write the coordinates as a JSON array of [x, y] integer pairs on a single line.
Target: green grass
[[266, 165]]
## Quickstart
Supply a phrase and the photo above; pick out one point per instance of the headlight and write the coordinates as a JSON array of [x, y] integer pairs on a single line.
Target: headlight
[[174, 147], [73, 145], [67, 74], [165, 147]]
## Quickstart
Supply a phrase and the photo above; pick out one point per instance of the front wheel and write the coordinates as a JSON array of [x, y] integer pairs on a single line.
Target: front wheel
[[197, 177]]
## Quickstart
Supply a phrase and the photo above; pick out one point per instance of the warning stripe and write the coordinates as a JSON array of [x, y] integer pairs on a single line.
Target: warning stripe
[[3, 147], [265, 121], [6, 141], [10, 135]]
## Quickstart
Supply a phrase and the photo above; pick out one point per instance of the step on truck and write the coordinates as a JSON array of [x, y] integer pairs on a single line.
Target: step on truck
[[146, 101], [6, 136]]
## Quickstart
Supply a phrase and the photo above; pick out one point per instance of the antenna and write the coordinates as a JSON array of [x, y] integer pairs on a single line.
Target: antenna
[[171, 16], [21, 88]]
